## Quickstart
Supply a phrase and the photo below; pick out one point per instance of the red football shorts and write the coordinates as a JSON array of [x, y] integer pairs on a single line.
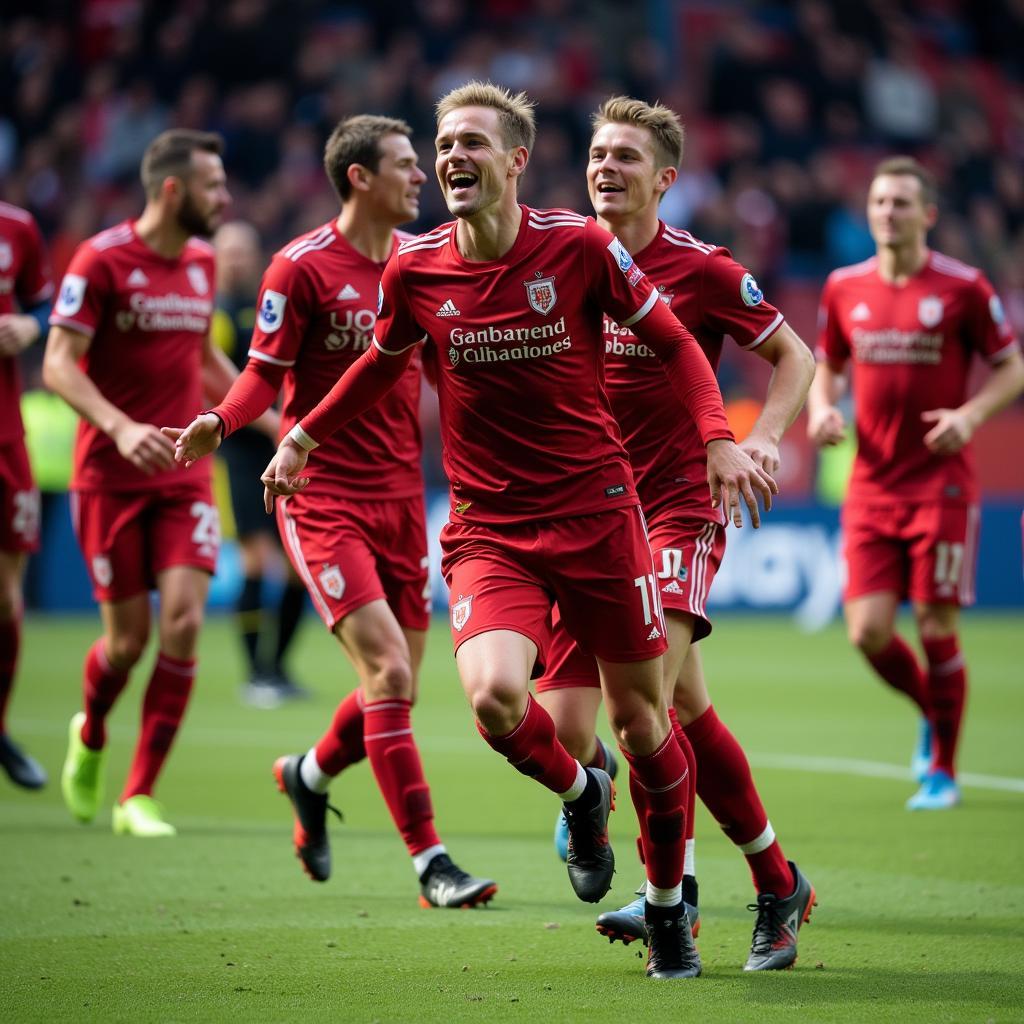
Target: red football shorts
[[597, 567], [924, 551], [129, 537], [19, 500], [687, 554], [351, 553]]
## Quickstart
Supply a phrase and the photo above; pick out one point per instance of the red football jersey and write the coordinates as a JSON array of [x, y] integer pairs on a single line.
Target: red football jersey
[[148, 317], [526, 424], [25, 279], [713, 296], [317, 312], [911, 347]]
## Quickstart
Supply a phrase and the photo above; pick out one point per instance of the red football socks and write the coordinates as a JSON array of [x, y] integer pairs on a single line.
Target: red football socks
[[10, 640], [947, 686], [691, 764], [657, 784], [102, 685], [899, 667], [342, 744], [391, 749], [533, 749], [726, 787], [163, 708]]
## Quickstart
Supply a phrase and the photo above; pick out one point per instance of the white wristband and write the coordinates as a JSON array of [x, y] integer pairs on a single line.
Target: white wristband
[[302, 439]]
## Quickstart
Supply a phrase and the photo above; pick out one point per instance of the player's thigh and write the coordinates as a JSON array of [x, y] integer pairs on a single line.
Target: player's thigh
[[943, 547], [494, 669], [687, 555], [494, 588], [19, 501], [679, 628], [874, 551], [690, 696], [634, 697], [871, 619], [126, 624], [111, 531], [332, 555], [601, 572], [416, 639], [377, 647], [12, 571], [936, 620]]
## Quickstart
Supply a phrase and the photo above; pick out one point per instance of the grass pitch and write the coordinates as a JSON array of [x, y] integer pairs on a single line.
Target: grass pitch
[[919, 916]]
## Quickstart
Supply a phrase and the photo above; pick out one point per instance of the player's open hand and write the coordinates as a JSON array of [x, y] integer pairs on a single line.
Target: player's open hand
[[951, 432], [144, 447], [17, 332], [202, 436], [282, 475], [825, 426], [762, 450], [732, 475]]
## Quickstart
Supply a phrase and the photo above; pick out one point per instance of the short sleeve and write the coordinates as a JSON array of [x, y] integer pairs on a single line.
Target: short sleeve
[[35, 279], [988, 330], [732, 302], [83, 293], [613, 279], [832, 347], [283, 312]]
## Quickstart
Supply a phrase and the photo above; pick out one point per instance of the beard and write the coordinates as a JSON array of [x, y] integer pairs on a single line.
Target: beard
[[194, 221]]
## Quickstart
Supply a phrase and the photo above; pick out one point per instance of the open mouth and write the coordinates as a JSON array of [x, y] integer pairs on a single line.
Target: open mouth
[[606, 188], [460, 181]]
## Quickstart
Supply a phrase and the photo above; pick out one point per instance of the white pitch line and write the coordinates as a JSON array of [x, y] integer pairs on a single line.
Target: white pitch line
[[875, 769]]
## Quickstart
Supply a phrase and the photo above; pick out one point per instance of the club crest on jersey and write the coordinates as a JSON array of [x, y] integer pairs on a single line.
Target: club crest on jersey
[[6, 255], [461, 611], [930, 310], [271, 311], [72, 294], [665, 296], [453, 355], [332, 582], [541, 295], [197, 278], [125, 319], [749, 291]]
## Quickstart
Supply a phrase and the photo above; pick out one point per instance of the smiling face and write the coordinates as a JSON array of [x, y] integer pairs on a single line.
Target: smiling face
[[897, 213], [396, 184], [623, 177], [475, 167]]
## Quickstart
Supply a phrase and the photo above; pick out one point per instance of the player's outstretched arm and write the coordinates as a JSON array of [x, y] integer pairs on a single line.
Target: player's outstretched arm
[[792, 373], [141, 444], [953, 428], [281, 477], [201, 437], [733, 475], [825, 423]]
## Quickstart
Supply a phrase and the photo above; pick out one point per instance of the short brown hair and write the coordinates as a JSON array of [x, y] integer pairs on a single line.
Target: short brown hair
[[515, 112], [908, 165], [170, 155], [664, 125], [356, 140]]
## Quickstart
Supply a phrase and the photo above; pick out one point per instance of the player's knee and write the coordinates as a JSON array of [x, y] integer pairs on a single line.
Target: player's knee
[[10, 602], [577, 739], [391, 678], [636, 727], [124, 650], [495, 704], [869, 637], [179, 630]]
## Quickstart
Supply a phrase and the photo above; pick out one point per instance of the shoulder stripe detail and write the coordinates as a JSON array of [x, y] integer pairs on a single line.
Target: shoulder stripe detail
[[398, 351], [643, 310], [766, 333], [305, 240], [308, 245], [548, 225], [951, 267], [855, 269], [555, 215], [112, 237], [1012, 346], [15, 212], [683, 243], [437, 234], [264, 358], [433, 244], [681, 235]]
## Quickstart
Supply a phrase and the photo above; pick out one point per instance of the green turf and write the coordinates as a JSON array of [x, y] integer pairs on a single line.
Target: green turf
[[920, 916]]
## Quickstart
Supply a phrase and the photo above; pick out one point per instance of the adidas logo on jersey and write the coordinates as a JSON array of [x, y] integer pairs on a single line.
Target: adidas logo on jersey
[[449, 309], [348, 293], [655, 634], [137, 279], [861, 312], [672, 588]]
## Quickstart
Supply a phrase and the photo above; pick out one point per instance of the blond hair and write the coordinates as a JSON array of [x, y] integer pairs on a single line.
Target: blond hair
[[515, 112], [907, 165], [663, 124]]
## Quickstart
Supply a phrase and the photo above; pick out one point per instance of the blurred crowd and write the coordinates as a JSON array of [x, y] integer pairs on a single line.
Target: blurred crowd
[[787, 106]]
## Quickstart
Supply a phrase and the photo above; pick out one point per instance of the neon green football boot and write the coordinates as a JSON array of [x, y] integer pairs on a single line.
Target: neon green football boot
[[143, 817], [81, 779]]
